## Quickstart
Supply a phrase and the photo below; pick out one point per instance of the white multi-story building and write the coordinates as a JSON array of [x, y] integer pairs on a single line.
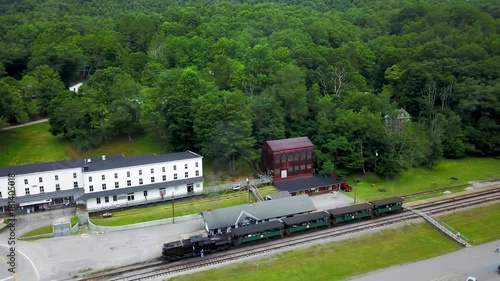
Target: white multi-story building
[[105, 182]]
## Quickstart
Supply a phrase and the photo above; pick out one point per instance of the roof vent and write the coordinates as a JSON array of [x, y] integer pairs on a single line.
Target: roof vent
[[103, 157], [89, 160]]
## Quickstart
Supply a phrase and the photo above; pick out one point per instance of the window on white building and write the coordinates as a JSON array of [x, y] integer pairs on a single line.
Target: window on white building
[[116, 175], [98, 200], [140, 181], [117, 184], [40, 179], [175, 176], [128, 174], [162, 191], [145, 193], [175, 167], [140, 172], [152, 179], [129, 183], [163, 169], [75, 184], [130, 196], [196, 164], [152, 170], [58, 187], [25, 181], [185, 166], [164, 178], [27, 191], [90, 179], [106, 199], [74, 175], [103, 177], [115, 198], [42, 189], [91, 188], [197, 185], [103, 186], [1, 195], [197, 173], [57, 177], [186, 174]]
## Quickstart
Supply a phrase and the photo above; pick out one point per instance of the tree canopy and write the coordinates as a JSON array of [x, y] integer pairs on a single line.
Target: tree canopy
[[222, 77]]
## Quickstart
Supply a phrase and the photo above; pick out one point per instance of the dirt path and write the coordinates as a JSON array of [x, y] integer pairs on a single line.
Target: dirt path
[[25, 124]]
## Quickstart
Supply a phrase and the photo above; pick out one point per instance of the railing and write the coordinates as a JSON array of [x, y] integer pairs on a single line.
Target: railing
[[446, 229]]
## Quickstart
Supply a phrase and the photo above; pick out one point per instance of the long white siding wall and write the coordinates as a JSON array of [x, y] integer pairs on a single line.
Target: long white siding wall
[[138, 197], [122, 178], [65, 179]]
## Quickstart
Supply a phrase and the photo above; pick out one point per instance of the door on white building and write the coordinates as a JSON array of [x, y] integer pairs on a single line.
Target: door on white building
[[190, 188], [283, 173]]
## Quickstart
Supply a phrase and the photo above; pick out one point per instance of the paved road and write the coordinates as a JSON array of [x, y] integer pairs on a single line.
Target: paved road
[[478, 261], [61, 257], [23, 125], [22, 266]]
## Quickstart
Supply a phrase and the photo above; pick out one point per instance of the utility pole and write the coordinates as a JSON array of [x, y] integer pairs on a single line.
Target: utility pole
[[173, 208], [248, 191], [355, 192]]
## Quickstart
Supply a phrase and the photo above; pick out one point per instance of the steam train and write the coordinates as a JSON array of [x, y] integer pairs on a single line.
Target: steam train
[[200, 246]]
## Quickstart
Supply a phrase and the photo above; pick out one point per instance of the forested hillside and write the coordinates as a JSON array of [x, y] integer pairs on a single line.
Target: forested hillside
[[221, 77]]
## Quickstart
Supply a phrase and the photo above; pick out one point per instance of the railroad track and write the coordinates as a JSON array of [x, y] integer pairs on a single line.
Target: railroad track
[[408, 196], [158, 269]]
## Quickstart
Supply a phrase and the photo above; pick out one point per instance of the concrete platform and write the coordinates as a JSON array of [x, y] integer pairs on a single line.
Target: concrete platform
[[331, 200]]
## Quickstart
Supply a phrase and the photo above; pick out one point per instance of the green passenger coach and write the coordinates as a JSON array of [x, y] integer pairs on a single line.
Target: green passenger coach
[[307, 221], [257, 232], [349, 213], [389, 205]]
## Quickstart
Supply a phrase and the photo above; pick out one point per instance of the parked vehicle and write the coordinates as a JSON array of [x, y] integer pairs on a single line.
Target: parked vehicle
[[345, 187], [237, 186]]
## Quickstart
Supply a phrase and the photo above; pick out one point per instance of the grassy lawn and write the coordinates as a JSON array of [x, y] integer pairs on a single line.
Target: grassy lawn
[[481, 224], [74, 220], [43, 147], [39, 231], [182, 208], [356, 256], [421, 179]]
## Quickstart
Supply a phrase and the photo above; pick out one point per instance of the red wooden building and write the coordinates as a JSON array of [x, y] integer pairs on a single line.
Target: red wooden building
[[290, 162], [288, 158]]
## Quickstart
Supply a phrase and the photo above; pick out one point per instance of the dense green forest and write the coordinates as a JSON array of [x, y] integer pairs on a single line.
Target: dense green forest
[[221, 77]]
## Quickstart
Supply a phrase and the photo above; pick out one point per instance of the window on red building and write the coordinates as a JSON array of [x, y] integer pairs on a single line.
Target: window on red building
[[290, 157], [276, 158], [309, 154]]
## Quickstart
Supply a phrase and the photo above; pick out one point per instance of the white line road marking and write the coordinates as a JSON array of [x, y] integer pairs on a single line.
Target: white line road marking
[[6, 278], [32, 264]]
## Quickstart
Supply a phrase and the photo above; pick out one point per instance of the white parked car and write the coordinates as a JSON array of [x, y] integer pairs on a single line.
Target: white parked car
[[236, 186], [470, 278]]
